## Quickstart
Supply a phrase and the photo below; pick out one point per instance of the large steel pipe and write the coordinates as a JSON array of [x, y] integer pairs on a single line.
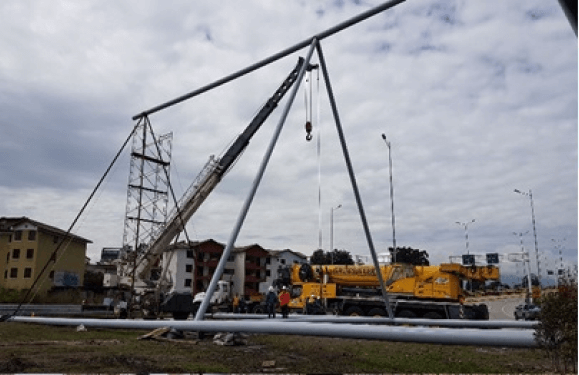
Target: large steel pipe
[[457, 323], [324, 34], [446, 336]]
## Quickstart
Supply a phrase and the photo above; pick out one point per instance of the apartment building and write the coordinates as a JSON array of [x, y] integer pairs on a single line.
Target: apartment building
[[26, 246]]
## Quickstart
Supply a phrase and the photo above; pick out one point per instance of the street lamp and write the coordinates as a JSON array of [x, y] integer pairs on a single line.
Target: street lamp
[[560, 266], [530, 195], [528, 259], [332, 230], [465, 225], [391, 198]]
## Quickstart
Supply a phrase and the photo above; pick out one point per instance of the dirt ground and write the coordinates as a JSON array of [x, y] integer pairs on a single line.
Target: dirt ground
[[35, 349]]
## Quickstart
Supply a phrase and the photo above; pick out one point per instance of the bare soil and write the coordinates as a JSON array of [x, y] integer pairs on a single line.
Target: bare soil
[[35, 349]]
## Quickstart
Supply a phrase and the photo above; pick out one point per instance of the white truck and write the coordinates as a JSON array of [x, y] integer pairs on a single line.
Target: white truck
[[222, 300]]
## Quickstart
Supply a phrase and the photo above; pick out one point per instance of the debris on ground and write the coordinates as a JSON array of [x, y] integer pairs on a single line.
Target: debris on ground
[[230, 338], [169, 334]]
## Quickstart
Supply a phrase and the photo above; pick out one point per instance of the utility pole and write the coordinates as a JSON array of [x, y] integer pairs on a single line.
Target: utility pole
[[394, 250], [465, 225], [530, 195]]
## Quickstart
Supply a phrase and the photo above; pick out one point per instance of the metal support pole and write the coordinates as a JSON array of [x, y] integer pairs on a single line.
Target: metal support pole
[[332, 230], [353, 178], [394, 251], [527, 257], [221, 265], [275, 57], [530, 195]]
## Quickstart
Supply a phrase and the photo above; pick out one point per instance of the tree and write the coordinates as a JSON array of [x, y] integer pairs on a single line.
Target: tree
[[557, 329], [335, 257], [410, 255], [318, 257]]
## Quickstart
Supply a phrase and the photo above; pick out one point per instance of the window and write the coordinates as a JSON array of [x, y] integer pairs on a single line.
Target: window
[[190, 254], [29, 253], [267, 273], [8, 257], [32, 235], [16, 254], [55, 239], [6, 274], [13, 273], [187, 282], [27, 273], [18, 235], [230, 258], [189, 268], [51, 275], [282, 261], [267, 260]]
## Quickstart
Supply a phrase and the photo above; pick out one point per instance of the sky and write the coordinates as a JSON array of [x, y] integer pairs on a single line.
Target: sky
[[476, 98]]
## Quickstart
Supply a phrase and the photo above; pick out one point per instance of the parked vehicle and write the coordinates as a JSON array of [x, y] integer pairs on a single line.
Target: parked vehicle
[[527, 312]]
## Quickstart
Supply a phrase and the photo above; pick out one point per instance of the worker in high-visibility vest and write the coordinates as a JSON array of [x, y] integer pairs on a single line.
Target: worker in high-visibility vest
[[236, 303], [284, 298]]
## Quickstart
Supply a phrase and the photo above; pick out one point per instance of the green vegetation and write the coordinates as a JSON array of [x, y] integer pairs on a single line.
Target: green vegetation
[[557, 330]]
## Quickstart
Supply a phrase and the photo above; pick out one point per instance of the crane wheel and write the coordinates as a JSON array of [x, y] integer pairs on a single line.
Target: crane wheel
[[354, 311], [406, 314], [377, 313], [433, 315]]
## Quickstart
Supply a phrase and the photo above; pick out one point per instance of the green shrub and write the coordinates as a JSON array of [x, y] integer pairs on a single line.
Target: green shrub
[[11, 295], [557, 329]]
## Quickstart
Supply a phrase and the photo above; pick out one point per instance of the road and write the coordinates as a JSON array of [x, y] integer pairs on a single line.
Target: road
[[503, 309]]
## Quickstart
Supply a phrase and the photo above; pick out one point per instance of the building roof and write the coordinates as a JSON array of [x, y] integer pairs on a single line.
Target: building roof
[[276, 253], [8, 223]]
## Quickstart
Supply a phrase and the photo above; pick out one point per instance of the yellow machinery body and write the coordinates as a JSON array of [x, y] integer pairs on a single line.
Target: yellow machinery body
[[442, 282]]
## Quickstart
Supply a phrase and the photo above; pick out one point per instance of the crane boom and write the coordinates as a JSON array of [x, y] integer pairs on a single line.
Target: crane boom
[[208, 179]]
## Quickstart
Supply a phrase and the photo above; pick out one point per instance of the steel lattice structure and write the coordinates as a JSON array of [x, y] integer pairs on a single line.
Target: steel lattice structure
[[148, 187]]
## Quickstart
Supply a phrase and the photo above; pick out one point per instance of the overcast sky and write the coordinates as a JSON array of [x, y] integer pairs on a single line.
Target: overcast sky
[[478, 98]]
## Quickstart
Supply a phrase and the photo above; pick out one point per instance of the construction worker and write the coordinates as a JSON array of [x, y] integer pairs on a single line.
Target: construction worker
[[284, 298], [236, 303], [309, 304], [271, 301]]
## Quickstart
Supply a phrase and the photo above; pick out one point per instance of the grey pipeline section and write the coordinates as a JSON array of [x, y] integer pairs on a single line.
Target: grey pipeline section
[[447, 336]]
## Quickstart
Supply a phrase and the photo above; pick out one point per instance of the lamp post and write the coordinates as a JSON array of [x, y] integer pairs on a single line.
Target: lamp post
[[465, 225], [530, 195], [391, 198], [558, 265], [526, 257], [332, 230]]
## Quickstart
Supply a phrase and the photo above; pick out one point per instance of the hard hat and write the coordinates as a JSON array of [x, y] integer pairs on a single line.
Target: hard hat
[[271, 288], [284, 288]]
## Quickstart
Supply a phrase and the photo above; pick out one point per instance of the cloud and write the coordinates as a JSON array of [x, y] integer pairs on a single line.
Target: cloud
[[477, 99]]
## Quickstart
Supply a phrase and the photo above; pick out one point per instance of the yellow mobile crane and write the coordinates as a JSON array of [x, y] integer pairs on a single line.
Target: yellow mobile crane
[[416, 291]]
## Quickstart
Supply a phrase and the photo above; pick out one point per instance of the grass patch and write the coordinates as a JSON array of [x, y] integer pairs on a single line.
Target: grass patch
[[37, 348]]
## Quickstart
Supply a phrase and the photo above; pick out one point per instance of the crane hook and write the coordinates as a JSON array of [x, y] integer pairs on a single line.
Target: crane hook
[[308, 131]]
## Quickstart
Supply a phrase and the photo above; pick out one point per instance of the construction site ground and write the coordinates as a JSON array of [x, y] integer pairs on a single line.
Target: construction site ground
[[34, 348]]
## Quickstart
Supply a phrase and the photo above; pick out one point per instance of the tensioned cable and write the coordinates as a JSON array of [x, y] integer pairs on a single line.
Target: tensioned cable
[[319, 154], [67, 235]]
